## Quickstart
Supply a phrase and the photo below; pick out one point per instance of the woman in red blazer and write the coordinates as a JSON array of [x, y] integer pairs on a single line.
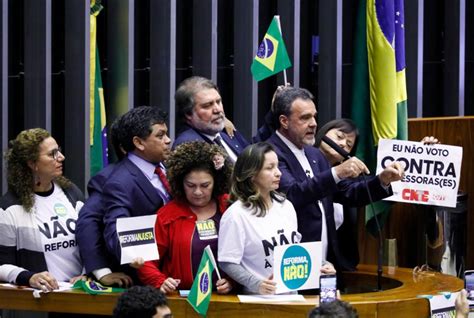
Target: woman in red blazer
[[199, 177]]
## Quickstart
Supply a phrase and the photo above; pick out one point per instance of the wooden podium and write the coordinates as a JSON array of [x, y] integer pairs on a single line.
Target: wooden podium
[[398, 299]]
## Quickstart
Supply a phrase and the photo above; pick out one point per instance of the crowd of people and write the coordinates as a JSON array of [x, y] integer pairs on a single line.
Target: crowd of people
[[288, 184]]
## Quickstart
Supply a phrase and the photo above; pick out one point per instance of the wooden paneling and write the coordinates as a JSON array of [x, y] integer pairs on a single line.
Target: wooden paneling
[[406, 222], [396, 302]]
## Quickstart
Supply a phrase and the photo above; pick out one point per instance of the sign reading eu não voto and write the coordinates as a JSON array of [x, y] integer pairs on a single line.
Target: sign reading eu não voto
[[297, 266], [432, 172], [137, 238]]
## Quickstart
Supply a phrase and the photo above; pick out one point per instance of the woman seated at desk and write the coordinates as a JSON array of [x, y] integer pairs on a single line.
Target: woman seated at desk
[[257, 215], [38, 215], [199, 178]]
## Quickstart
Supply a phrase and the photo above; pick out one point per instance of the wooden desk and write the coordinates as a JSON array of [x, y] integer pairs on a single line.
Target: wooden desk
[[401, 301]]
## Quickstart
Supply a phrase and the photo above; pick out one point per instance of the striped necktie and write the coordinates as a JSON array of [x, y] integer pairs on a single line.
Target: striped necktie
[[163, 179]]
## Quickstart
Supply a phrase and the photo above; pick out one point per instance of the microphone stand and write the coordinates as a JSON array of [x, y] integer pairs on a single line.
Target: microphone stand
[[380, 239], [346, 156]]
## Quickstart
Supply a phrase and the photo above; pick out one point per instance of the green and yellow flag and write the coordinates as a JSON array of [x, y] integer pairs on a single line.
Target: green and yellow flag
[[272, 56], [98, 132], [379, 101], [200, 294]]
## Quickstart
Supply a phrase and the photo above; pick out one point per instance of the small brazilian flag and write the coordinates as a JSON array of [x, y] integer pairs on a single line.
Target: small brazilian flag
[[95, 288], [272, 56], [200, 295]]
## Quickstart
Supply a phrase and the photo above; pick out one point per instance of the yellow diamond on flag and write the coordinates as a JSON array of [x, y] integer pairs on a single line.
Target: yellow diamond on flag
[[267, 52], [204, 289]]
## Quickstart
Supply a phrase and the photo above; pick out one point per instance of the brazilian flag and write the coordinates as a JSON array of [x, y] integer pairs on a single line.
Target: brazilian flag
[[200, 294], [95, 288], [98, 132], [272, 56], [379, 101]]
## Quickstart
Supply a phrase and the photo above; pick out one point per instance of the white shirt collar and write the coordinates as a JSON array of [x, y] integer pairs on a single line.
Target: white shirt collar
[[290, 145], [212, 137]]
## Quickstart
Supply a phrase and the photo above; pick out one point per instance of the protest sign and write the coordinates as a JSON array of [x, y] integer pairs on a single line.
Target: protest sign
[[137, 238], [432, 172], [297, 266]]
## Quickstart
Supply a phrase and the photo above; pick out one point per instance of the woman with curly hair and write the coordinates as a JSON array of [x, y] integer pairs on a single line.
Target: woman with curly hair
[[38, 215], [199, 176]]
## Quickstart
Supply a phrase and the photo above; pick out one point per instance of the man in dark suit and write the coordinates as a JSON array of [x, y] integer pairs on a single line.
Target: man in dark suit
[[200, 105], [307, 178], [136, 188], [90, 225]]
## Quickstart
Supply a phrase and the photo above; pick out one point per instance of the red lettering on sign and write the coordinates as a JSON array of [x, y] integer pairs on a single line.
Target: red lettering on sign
[[415, 195]]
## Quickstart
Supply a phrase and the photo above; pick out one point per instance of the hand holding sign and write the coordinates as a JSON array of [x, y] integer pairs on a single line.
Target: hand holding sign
[[393, 172], [267, 286], [137, 262]]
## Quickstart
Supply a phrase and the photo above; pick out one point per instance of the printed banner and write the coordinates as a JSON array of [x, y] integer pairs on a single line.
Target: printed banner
[[297, 266], [432, 172], [443, 305], [137, 238]]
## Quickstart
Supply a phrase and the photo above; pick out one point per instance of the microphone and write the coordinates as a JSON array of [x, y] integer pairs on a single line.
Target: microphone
[[346, 156], [336, 147]]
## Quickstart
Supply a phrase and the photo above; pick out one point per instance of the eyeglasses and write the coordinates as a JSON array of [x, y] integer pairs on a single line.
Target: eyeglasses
[[55, 153]]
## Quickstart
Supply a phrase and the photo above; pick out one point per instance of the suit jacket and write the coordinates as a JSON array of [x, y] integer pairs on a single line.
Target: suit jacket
[[236, 143], [90, 225], [127, 192], [305, 192]]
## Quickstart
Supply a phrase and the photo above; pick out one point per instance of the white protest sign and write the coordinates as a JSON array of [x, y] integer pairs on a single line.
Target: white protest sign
[[137, 238], [297, 266], [443, 305], [432, 172]]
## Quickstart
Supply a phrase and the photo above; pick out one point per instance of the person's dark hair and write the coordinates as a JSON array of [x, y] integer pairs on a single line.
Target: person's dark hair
[[248, 164], [184, 96], [197, 156], [20, 178], [139, 122], [115, 139], [139, 301], [284, 99], [334, 309], [345, 125]]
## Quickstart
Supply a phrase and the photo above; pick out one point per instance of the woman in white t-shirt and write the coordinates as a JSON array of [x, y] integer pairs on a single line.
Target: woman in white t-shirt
[[259, 219], [38, 215]]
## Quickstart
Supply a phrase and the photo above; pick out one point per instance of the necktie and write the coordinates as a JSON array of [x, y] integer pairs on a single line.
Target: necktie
[[218, 141], [163, 179]]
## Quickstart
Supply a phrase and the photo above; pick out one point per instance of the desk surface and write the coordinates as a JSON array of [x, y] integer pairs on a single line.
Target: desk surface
[[401, 301]]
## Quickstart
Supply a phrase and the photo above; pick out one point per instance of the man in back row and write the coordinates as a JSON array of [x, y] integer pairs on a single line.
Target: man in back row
[[200, 105]]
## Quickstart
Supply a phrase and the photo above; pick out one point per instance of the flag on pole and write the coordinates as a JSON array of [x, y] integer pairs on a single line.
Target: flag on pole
[[379, 101], [98, 132], [272, 56], [200, 294]]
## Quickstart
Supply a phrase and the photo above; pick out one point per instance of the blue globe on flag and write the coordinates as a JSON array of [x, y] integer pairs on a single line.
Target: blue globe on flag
[[204, 283], [265, 49]]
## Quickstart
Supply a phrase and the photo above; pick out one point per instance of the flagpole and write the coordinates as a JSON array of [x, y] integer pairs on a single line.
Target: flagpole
[[284, 71], [213, 260]]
